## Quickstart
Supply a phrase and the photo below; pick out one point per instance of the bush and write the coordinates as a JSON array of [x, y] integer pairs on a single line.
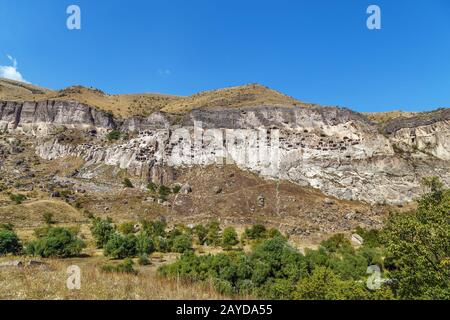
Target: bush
[[163, 192], [17, 198], [337, 243], [182, 243], [200, 232], [155, 228], [176, 189], [7, 226], [125, 267], [213, 235], [120, 247], [57, 243], [144, 244], [127, 183], [102, 230], [152, 187], [323, 284], [143, 260], [229, 238], [161, 244], [9, 242], [127, 228], [48, 218], [256, 232], [371, 238], [113, 135]]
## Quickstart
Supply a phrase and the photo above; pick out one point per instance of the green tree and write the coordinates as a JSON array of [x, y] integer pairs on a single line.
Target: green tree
[[229, 238], [213, 235], [9, 242], [102, 230], [182, 243], [56, 243], [121, 246], [144, 244], [200, 232], [337, 243], [156, 228], [418, 242], [257, 231], [324, 284]]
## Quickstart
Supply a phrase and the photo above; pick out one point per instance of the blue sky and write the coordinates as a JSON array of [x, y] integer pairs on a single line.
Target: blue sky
[[314, 50]]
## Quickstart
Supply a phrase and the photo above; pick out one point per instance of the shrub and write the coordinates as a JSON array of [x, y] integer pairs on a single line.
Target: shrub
[[323, 284], [152, 187], [155, 228], [163, 192], [213, 235], [9, 242], [48, 218], [349, 266], [7, 226], [229, 238], [127, 183], [337, 243], [200, 232], [120, 247], [102, 230], [258, 231], [58, 243], [182, 243], [143, 260], [144, 244], [161, 244], [125, 267], [113, 135], [176, 189], [17, 198], [127, 228], [371, 237]]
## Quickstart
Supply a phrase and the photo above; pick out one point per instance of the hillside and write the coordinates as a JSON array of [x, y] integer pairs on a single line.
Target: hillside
[[384, 117], [126, 105]]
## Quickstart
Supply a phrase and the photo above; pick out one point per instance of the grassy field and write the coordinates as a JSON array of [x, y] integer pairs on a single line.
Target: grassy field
[[48, 282]]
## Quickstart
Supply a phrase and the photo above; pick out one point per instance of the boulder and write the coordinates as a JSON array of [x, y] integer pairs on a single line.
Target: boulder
[[185, 189], [357, 239], [261, 200]]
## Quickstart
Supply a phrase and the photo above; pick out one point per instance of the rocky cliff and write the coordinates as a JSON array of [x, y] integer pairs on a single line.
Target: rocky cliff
[[335, 150]]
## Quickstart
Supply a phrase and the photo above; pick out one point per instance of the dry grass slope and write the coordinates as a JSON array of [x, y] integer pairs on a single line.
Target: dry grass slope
[[126, 105], [49, 283], [384, 117]]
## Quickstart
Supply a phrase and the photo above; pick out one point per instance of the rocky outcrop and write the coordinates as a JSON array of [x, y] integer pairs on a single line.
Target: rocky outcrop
[[335, 150], [38, 117]]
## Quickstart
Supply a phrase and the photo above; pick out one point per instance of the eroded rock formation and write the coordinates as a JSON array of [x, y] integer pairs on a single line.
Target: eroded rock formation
[[336, 150]]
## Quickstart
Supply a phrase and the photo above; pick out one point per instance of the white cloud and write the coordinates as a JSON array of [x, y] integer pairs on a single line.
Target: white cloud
[[11, 72]]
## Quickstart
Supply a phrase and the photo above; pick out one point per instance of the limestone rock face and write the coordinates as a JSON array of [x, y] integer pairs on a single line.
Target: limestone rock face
[[335, 150]]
